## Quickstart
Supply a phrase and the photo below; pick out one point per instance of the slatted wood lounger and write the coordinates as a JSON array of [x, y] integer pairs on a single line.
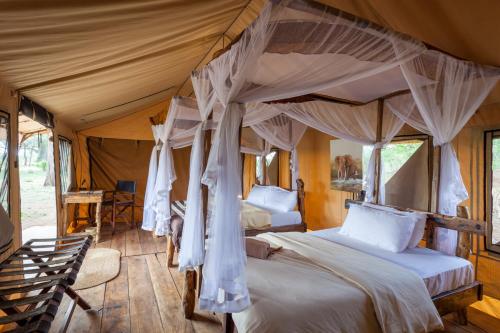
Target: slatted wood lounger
[[41, 271]]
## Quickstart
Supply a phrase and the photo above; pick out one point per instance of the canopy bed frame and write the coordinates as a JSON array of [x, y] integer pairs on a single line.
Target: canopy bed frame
[[321, 67]]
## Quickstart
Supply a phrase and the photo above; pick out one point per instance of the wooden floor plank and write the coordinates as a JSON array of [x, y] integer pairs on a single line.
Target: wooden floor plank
[[202, 321], [118, 242], [83, 321], [104, 238], [147, 242], [144, 315], [133, 245], [161, 244], [116, 314], [167, 298], [177, 276]]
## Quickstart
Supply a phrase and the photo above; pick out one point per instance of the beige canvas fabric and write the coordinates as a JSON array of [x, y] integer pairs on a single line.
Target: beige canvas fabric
[[92, 62], [81, 58]]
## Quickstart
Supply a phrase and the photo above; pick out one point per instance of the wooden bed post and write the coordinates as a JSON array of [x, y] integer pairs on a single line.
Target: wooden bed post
[[193, 278], [434, 194], [301, 199], [436, 170], [378, 150]]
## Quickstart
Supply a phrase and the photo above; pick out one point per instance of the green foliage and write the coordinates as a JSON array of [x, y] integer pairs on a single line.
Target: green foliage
[[42, 165], [495, 156], [395, 155]]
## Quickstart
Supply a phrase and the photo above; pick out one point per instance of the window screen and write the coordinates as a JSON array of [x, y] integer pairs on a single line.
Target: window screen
[[493, 190], [65, 164], [4, 161]]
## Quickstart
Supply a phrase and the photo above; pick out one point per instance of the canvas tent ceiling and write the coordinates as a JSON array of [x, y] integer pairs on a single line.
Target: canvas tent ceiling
[[90, 62]]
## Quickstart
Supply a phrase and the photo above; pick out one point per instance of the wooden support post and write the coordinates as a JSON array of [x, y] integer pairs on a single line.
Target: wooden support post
[[264, 170], [189, 293], [464, 244], [170, 251], [436, 169], [378, 151]]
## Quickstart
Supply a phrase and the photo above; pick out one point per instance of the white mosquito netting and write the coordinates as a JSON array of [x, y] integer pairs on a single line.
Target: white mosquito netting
[[292, 49], [441, 109], [295, 48], [186, 122], [353, 123], [177, 132], [149, 215]]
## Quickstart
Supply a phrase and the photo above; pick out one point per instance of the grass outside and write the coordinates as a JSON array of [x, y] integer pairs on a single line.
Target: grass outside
[[38, 204]]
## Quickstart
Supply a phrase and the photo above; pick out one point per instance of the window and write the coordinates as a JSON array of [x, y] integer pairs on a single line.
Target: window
[[405, 172], [493, 190], [4, 161], [65, 164], [270, 174]]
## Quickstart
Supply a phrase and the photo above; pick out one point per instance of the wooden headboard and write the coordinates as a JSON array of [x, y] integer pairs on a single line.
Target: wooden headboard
[[465, 226]]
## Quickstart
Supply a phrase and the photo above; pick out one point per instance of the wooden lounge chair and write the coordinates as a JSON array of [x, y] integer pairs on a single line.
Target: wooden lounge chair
[[41, 272]]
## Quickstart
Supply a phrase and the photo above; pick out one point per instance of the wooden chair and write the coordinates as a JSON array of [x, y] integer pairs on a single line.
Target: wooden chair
[[116, 203]]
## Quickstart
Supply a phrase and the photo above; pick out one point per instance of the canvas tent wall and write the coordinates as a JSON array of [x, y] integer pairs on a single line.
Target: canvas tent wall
[[71, 85]]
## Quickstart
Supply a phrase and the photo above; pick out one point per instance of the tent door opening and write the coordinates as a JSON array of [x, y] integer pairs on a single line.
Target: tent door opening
[[37, 179]]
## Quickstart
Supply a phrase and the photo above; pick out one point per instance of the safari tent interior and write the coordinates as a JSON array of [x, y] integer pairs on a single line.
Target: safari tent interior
[[254, 165]]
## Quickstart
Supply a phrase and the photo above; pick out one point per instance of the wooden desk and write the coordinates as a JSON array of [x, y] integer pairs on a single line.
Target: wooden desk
[[83, 197]]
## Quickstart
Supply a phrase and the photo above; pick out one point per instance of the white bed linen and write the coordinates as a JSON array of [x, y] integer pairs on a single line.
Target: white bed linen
[[440, 272], [279, 218]]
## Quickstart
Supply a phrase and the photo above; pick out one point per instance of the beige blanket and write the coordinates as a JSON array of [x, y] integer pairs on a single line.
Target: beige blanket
[[253, 217], [315, 285]]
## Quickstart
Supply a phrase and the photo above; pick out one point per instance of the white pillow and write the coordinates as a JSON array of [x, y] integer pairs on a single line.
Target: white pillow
[[418, 230], [257, 195], [381, 228], [420, 219], [273, 198]]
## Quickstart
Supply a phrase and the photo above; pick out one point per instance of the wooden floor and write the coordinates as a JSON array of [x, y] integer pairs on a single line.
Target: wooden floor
[[145, 297]]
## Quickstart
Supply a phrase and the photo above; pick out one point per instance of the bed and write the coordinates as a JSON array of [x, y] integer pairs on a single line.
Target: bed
[[312, 278], [265, 210], [259, 213]]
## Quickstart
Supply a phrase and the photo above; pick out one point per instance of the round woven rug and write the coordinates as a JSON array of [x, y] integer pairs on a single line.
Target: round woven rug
[[99, 266]]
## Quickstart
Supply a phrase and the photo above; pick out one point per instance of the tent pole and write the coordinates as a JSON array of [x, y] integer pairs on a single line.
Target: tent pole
[[378, 150]]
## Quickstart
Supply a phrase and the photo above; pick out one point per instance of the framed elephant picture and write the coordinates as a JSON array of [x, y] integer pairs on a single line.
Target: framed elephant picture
[[346, 165]]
